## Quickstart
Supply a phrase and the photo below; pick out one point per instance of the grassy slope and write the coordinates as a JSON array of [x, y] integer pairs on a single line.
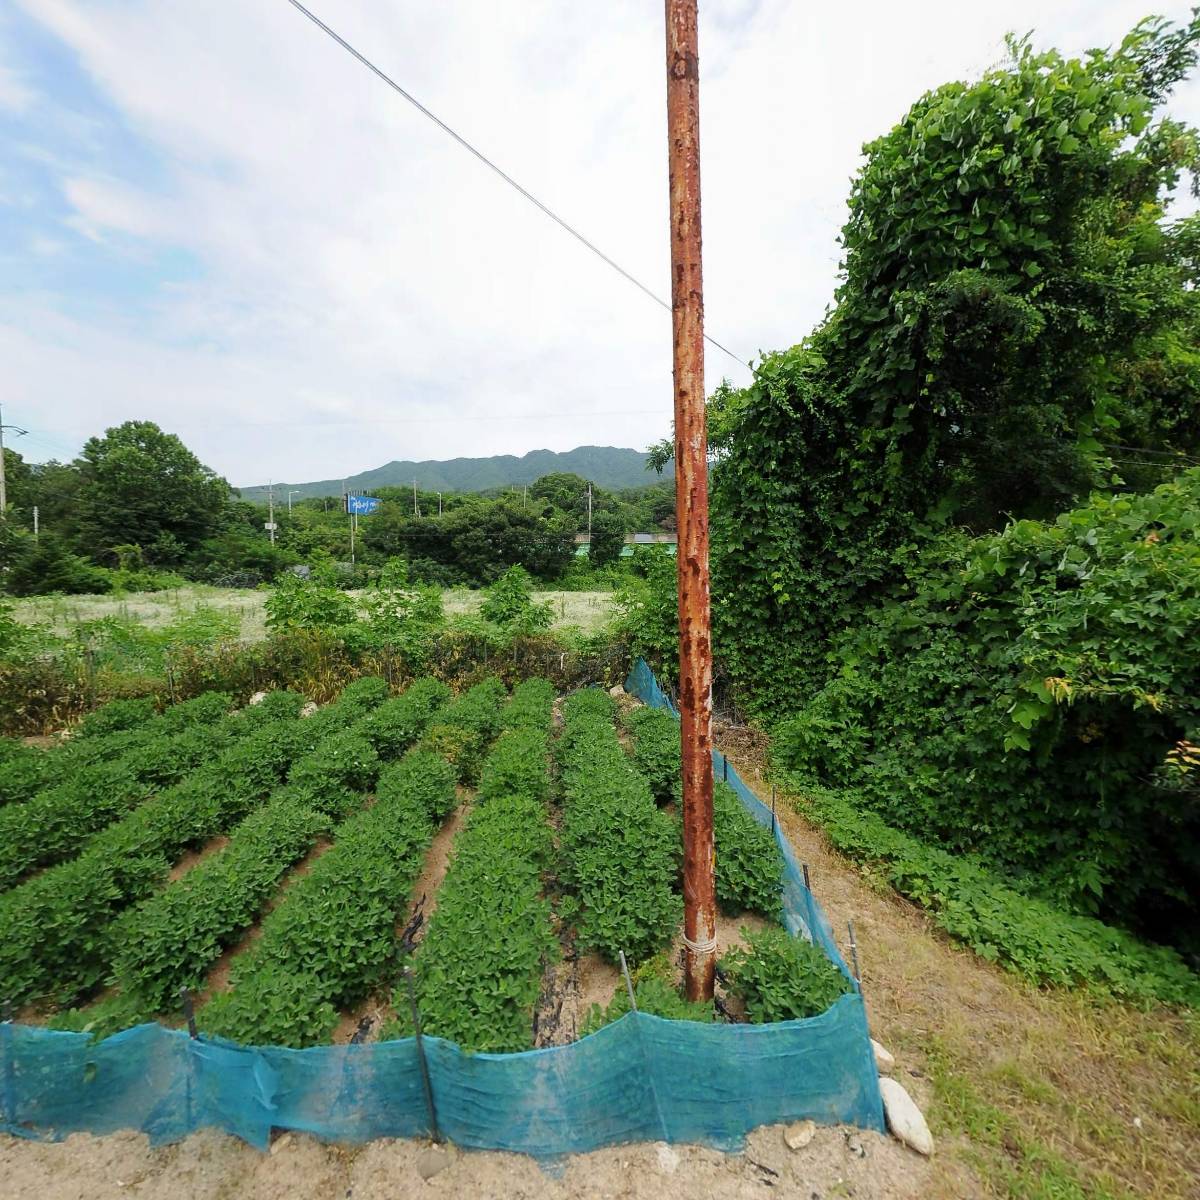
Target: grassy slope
[[1031, 1094]]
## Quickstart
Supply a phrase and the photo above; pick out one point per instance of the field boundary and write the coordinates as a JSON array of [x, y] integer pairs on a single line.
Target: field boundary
[[642, 1078]]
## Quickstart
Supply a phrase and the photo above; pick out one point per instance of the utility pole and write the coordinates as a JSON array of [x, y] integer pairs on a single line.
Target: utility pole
[[271, 511], [439, 504], [293, 492], [3, 482], [416, 511], [589, 518], [691, 499], [35, 522]]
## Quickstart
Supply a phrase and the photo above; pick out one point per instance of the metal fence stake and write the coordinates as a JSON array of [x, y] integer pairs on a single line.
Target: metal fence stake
[[807, 880], [426, 1083], [189, 1011], [854, 952], [628, 982]]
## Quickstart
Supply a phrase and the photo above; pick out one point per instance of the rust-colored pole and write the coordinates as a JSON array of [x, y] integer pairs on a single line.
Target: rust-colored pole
[[691, 499]]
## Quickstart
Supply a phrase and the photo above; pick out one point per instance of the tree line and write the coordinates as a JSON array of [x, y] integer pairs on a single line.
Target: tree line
[[137, 510]]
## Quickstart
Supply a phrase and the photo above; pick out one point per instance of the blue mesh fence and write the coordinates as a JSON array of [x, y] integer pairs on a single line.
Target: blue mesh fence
[[639, 1079]]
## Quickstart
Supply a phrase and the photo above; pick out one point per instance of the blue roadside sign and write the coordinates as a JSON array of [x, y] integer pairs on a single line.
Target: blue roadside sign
[[362, 505]]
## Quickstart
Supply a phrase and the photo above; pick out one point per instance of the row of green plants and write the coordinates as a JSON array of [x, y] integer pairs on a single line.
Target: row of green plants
[[479, 967], [109, 732], [171, 940], [332, 938], [620, 853], [58, 820], [1030, 937], [749, 873], [55, 928]]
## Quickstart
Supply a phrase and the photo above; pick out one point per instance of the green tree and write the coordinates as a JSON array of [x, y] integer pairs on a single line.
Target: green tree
[[143, 486], [608, 539]]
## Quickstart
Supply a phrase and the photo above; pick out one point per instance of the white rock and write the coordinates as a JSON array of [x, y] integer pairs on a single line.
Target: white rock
[[884, 1062], [281, 1143], [668, 1159], [258, 697], [617, 691], [797, 1135], [904, 1117], [308, 709]]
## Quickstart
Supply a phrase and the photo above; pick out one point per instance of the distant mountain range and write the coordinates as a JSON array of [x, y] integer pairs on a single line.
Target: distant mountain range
[[606, 466]]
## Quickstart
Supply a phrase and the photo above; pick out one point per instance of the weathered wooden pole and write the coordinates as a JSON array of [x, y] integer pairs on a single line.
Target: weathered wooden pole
[[691, 498]]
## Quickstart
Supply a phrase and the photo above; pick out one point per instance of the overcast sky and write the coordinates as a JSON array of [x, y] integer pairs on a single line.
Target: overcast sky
[[212, 217]]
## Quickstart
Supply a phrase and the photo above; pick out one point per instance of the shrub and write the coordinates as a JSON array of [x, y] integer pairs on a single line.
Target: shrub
[[781, 978], [656, 750], [397, 723]]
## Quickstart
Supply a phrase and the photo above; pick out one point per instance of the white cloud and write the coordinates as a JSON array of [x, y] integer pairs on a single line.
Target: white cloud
[[369, 291]]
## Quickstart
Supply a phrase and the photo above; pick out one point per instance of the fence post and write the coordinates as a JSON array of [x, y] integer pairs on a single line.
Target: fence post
[[426, 1082], [9, 1114]]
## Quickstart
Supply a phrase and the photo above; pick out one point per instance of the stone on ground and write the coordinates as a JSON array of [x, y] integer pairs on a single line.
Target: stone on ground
[[904, 1117], [797, 1135], [884, 1062]]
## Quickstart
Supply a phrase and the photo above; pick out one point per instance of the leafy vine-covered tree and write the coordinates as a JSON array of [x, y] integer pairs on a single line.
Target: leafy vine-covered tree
[[1015, 315]]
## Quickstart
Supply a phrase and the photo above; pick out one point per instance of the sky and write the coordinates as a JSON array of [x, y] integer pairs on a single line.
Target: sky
[[213, 218]]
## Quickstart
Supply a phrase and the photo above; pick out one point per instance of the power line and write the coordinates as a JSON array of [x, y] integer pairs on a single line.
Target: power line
[[487, 162]]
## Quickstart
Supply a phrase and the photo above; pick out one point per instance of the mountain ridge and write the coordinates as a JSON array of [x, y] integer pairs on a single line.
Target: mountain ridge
[[611, 467]]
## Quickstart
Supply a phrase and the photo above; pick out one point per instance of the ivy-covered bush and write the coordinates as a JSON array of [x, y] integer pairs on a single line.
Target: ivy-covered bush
[[1022, 703]]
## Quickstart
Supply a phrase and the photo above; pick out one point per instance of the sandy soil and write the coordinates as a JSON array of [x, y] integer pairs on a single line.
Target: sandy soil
[[212, 1166]]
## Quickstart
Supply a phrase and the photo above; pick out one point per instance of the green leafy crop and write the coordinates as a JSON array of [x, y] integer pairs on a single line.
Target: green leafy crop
[[620, 853], [781, 978]]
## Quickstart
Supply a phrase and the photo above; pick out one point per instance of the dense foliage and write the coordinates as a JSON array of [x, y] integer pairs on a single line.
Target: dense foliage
[[1028, 936], [479, 967], [622, 886], [332, 937], [1015, 313], [778, 977]]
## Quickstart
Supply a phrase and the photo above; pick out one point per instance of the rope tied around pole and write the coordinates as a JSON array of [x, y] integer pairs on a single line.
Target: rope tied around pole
[[708, 946]]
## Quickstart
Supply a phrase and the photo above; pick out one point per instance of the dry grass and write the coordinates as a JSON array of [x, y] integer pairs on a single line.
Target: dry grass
[[63, 614], [1042, 1095]]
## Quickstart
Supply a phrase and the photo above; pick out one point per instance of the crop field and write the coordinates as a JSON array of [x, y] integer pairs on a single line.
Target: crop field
[[245, 608], [279, 863]]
